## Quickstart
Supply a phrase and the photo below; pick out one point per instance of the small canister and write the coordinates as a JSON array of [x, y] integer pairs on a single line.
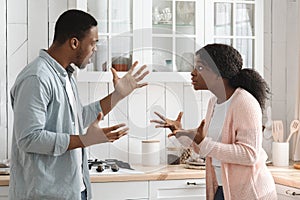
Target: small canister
[[150, 152]]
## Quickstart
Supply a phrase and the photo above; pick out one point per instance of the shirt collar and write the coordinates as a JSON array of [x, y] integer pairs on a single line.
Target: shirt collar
[[70, 70], [60, 70]]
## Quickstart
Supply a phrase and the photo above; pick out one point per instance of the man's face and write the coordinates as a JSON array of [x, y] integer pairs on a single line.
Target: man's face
[[87, 47]]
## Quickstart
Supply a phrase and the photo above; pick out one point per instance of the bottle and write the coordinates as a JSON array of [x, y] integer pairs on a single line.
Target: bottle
[[156, 16], [169, 65]]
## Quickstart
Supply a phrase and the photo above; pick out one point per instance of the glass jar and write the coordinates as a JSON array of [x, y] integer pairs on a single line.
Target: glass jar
[[173, 155]]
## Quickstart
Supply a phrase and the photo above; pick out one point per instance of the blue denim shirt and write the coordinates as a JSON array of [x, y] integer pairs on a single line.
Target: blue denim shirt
[[41, 166]]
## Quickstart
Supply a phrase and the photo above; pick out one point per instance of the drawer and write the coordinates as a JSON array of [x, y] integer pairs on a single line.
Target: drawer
[[4, 192], [133, 190], [287, 193], [189, 189]]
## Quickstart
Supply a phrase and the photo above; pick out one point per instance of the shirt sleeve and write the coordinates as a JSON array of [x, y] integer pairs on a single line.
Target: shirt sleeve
[[90, 113], [30, 99]]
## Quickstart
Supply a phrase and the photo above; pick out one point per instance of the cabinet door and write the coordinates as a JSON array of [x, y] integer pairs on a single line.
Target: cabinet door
[[235, 23], [120, 190], [115, 47], [192, 189], [4, 193], [176, 34], [287, 193]]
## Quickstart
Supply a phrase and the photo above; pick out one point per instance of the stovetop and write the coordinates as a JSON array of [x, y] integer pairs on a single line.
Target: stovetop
[[110, 166]]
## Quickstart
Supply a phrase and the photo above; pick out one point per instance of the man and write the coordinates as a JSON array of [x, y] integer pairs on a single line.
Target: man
[[48, 159]]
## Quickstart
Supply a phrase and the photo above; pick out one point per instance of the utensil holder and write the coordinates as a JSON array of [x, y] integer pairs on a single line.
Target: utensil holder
[[280, 154]]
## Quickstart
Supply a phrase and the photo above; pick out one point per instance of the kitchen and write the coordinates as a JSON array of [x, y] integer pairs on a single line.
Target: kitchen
[[27, 26]]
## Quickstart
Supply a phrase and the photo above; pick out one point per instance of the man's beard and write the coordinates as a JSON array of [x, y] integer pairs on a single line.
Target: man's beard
[[80, 64]]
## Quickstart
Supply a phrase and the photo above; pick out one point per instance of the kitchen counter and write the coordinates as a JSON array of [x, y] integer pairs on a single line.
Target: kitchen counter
[[287, 176], [163, 172], [4, 180]]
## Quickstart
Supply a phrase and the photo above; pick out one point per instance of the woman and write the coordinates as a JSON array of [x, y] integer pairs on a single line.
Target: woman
[[230, 137]]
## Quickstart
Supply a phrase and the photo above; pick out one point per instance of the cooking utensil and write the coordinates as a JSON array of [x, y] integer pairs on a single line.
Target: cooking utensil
[[277, 130], [294, 127], [267, 134]]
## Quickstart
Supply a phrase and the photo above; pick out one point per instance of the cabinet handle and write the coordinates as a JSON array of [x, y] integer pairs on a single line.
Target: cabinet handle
[[192, 183], [289, 192]]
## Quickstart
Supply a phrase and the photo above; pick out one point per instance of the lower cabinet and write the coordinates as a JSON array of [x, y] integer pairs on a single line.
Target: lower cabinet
[[4, 192], [132, 190], [191, 189], [287, 193]]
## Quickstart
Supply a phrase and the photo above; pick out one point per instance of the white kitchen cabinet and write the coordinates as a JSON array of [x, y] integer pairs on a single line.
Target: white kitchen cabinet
[[128, 32], [287, 193], [237, 23], [120, 190], [192, 189], [189, 189], [4, 192], [164, 34]]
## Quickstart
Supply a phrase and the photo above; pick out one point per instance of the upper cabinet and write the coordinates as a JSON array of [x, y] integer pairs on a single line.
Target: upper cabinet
[[164, 34], [115, 26], [176, 34], [240, 24]]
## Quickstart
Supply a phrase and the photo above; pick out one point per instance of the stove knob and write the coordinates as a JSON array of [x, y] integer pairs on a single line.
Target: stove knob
[[90, 166], [114, 167], [100, 168]]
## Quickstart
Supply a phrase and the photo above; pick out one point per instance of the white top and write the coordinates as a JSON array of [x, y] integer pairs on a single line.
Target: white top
[[78, 151], [215, 132]]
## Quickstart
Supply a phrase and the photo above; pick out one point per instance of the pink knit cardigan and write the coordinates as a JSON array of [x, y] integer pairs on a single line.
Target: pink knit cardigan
[[244, 172]]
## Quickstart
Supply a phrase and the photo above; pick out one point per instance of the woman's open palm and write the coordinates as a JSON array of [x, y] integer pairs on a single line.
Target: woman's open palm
[[173, 125]]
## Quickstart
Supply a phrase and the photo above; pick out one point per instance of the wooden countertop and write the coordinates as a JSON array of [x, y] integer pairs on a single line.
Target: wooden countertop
[[4, 180], [287, 176], [163, 172]]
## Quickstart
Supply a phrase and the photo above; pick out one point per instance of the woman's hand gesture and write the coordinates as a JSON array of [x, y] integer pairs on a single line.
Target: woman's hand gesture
[[197, 135], [173, 125]]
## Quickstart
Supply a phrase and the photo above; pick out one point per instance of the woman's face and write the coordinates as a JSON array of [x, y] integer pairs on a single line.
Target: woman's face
[[203, 78]]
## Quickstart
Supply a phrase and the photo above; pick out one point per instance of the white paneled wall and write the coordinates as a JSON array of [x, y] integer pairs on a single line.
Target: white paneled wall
[[55, 9], [292, 58], [281, 56], [3, 107], [35, 23], [17, 49], [136, 111], [27, 33], [279, 47]]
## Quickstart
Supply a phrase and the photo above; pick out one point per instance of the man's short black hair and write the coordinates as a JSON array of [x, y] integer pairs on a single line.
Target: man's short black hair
[[73, 23]]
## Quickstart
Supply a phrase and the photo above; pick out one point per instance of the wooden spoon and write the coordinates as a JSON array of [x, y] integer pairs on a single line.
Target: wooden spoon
[[294, 127]]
